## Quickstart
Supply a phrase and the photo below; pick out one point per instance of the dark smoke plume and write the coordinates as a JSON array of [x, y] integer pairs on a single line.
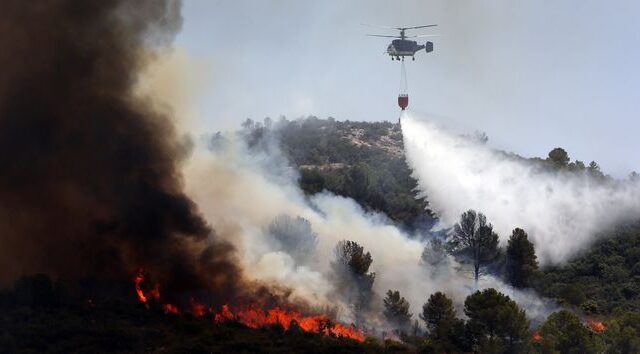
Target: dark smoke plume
[[89, 181]]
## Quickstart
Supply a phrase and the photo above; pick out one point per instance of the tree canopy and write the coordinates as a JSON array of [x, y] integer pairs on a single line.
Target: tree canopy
[[474, 241], [396, 310], [522, 262], [434, 253], [294, 236], [351, 275], [446, 332], [602, 280], [496, 321], [559, 157], [563, 332], [622, 334], [360, 160]]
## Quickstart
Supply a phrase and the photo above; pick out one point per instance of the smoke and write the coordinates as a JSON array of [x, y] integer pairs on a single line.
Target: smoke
[[561, 211], [241, 191], [90, 183], [295, 237], [96, 181]]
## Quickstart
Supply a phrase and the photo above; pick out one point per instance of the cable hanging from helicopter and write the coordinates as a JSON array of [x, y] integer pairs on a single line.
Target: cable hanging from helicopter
[[403, 96], [400, 48]]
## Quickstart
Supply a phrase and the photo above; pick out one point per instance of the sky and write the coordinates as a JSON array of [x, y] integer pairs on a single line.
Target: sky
[[532, 75]]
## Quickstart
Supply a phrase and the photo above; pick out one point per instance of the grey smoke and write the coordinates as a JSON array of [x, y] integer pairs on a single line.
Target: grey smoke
[[294, 236], [241, 191]]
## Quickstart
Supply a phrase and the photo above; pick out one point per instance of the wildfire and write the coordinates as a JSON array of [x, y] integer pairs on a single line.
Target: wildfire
[[154, 292], [254, 317], [536, 336], [138, 280], [197, 308], [595, 325], [170, 308]]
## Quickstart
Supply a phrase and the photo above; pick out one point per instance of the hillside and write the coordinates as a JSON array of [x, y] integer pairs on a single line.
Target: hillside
[[364, 161], [603, 280], [127, 327], [359, 160]]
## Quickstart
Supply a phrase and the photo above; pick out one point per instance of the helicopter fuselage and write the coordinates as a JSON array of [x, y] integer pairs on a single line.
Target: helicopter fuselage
[[403, 48]]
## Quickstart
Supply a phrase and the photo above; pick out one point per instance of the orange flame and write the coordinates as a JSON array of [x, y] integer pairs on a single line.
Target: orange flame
[[138, 280], [170, 308], [536, 336], [596, 326], [224, 315], [154, 293], [254, 317], [197, 308]]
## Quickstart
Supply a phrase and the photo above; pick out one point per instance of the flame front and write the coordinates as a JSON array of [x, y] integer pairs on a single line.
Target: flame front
[[154, 292], [254, 317], [138, 280], [197, 309]]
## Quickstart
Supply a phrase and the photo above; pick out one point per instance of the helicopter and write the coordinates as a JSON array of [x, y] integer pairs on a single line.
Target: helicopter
[[402, 47]]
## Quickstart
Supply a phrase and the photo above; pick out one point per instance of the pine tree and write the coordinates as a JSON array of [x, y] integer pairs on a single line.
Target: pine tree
[[351, 276], [474, 241], [437, 311], [434, 253], [294, 236], [447, 334], [396, 310], [522, 262], [496, 320], [559, 157], [594, 170]]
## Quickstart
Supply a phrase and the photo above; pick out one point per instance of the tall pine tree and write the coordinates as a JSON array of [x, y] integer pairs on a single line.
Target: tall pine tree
[[474, 241], [522, 262], [437, 311], [496, 322], [447, 334], [396, 310], [351, 276]]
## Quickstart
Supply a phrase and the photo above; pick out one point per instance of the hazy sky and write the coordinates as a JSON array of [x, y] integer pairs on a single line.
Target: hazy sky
[[531, 74]]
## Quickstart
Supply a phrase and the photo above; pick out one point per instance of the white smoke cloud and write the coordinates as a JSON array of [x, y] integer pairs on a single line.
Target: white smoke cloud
[[240, 192], [562, 212]]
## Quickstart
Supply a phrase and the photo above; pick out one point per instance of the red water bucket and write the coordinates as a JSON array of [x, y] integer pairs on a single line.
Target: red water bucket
[[403, 100]]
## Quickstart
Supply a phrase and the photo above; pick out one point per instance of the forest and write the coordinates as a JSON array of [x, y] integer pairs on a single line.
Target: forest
[[597, 292], [600, 283]]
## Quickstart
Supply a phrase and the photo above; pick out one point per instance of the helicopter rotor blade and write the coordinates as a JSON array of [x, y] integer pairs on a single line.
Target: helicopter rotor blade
[[398, 28], [381, 35], [414, 27], [424, 35]]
